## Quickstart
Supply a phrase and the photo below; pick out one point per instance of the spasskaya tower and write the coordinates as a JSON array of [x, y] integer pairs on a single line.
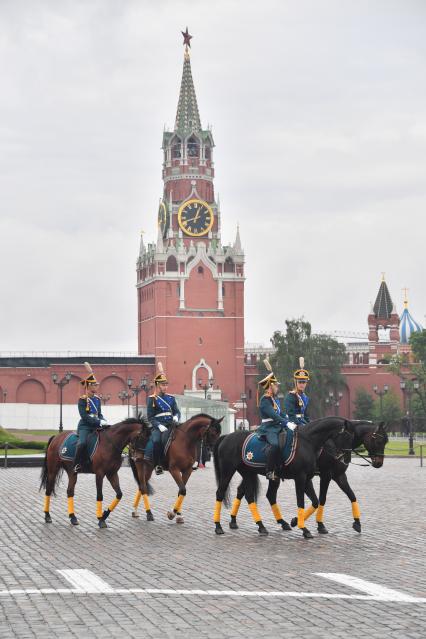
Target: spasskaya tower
[[190, 286]]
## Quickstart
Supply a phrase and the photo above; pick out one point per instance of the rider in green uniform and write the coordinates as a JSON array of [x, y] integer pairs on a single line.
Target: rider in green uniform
[[296, 401]]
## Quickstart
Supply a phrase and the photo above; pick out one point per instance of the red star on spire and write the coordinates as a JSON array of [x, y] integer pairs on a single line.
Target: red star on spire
[[186, 38]]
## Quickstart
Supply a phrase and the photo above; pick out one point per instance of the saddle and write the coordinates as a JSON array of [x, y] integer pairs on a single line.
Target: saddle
[[255, 449], [69, 447]]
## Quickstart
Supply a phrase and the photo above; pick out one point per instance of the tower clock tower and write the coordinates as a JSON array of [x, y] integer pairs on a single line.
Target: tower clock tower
[[190, 286]]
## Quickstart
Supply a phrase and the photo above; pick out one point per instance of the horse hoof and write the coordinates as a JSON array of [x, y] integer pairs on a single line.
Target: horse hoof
[[219, 530], [180, 519], [171, 515], [74, 520], [135, 515], [307, 534], [357, 525], [293, 522], [47, 518], [262, 530], [284, 525], [102, 523], [321, 528], [233, 525], [149, 516]]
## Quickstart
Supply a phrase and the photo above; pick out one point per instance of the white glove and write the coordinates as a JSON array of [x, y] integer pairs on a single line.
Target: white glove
[[291, 425], [176, 419], [104, 422], [162, 428]]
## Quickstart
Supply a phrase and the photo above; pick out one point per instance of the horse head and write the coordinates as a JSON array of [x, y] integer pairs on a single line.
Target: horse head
[[213, 431], [375, 442], [141, 436]]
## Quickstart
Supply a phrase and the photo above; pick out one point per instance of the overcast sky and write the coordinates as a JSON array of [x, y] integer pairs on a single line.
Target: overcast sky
[[318, 111]]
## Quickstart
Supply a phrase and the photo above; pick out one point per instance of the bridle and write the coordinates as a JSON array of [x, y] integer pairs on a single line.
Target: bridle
[[371, 453]]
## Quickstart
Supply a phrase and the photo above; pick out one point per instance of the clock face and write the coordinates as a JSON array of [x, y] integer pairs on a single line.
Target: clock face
[[163, 217], [195, 218]]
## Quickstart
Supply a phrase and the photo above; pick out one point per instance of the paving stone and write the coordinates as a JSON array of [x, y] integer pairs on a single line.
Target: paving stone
[[134, 553]]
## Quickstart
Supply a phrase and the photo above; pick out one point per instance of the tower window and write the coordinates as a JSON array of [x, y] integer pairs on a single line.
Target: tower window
[[193, 147], [200, 270], [176, 149]]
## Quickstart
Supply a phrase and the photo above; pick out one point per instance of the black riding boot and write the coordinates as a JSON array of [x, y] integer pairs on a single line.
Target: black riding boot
[[79, 457], [273, 463]]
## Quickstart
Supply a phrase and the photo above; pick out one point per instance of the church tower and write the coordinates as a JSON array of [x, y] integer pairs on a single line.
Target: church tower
[[190, 286], [383, 326]]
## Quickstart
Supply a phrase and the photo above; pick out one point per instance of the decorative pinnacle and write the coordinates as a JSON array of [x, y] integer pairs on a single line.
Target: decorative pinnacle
[[405, 289], [186, 39]]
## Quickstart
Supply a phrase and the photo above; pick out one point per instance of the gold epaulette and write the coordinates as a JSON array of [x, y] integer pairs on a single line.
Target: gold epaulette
[[153, 395], [83, 396]]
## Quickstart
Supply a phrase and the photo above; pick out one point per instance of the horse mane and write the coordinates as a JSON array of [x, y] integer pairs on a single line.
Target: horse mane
[[319, 425]]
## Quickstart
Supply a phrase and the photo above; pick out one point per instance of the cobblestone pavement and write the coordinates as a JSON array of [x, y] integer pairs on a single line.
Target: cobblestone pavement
[[159, 555]]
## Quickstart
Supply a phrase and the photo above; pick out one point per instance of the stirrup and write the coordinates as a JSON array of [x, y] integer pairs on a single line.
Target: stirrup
[[159, 470], [272, 476], [77, 468]]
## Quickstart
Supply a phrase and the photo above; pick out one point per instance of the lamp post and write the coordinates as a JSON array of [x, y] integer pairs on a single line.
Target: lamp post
[[105, 398], [243, 401], [4, 396], [206, 387], [61, 383], [381, 394], [125, 395], [331, 400], [143, 385], [407, 388]]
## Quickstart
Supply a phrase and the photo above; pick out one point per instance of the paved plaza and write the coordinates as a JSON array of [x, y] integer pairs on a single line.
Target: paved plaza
[[160, 579]]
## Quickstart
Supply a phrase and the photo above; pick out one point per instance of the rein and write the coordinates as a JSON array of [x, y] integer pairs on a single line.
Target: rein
[[111, 443]]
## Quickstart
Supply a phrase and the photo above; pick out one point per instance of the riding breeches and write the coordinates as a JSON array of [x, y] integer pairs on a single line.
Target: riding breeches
[[83, 433]]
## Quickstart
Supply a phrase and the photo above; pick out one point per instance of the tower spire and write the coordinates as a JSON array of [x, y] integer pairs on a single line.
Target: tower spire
[[187, 115]]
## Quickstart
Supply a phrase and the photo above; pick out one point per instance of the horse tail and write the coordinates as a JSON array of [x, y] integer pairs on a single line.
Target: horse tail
[[149, 487], [45, 472], [251, 480], [218, 472]]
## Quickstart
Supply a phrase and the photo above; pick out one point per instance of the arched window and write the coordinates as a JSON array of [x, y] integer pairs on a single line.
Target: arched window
[[193, 147], [171, 264], [229, 265], [176, 148], [208, 153]]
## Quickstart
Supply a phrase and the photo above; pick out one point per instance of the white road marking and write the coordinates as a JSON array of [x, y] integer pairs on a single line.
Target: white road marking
[[85, 581], [380, 593]]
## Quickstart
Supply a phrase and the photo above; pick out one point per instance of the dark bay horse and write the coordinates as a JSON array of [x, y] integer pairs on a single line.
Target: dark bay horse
[[106, 462], [180, 457], [374, 439], [228, 459]]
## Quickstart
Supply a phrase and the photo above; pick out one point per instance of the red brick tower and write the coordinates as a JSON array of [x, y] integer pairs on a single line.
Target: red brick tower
[[383, 326], [190, 286]]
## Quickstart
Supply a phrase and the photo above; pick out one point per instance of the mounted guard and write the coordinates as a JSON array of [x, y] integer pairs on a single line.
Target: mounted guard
[[296, 401], [162, 412], [274, 421], [91, 418]]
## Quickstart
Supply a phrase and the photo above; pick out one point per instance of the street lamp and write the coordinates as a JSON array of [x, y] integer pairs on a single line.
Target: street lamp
[[243, 401], [334, 401], [381, 394], [206, 387], [125, 395], [105, 398], [143, 385], [4, 396], [61, 383], [407, 391]]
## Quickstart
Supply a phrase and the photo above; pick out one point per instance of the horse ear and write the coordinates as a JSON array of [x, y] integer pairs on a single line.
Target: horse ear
[[382, 426], [220, 420]]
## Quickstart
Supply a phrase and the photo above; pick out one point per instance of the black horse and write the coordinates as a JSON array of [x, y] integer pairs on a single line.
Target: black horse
[[228, 459], [374, 440]]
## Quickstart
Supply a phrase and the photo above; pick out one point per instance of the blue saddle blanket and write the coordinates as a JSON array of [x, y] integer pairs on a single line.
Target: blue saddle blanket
[[67, 451], [255, 450]]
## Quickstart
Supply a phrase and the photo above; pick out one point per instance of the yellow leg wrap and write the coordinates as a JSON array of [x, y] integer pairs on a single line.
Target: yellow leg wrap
[[217, 509], [355, 510], [46, 506], [146, 502], [113, 504], [300, 517], [276, 511], [178, 503], [235, 507], [137, 499], [71, 505], [99, 512], [254, 512], [309, 511], [320, 514]]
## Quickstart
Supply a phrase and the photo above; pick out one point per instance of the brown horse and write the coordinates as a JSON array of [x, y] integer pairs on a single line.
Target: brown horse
[[179, 459], [106, 461]]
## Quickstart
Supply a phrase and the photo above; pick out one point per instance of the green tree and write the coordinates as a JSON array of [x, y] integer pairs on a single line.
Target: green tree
[[418, 345], [324, 358], [364, 405], [389, 410]]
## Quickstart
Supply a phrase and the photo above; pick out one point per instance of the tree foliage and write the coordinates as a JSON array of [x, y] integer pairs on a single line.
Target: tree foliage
[[363, 405], [389, 409], [324, 358]]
